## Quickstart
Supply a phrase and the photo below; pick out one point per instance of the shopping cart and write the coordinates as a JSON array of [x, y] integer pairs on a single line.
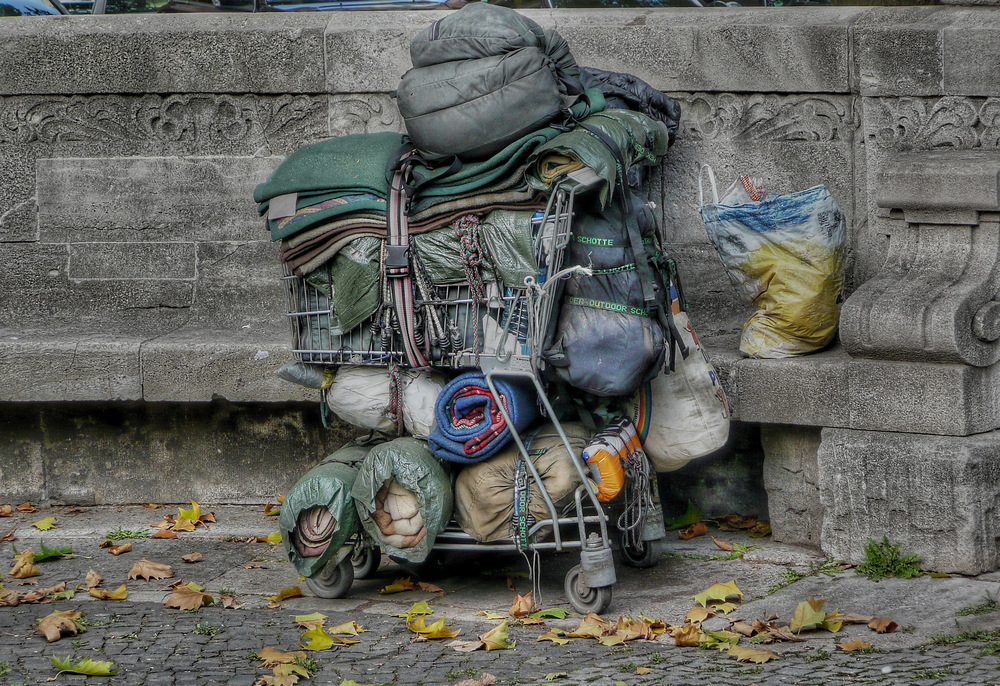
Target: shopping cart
[[504, 334]]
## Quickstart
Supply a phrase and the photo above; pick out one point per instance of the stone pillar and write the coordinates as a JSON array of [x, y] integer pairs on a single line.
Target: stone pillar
[[932, 312], [792, 482]]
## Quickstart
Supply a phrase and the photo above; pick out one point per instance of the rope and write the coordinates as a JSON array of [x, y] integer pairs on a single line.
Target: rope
[[467, 232], [395, 409], [638, 497]]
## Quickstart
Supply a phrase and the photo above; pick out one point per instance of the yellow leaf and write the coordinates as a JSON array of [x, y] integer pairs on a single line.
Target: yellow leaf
[[757, 655], [350, 628], [856, 644], [420, 608], [806, 616], [285, 594], [592, 626], [643, 670], [698, 614], [398, 586], [344, 641], [118, 594], [556, 636], [724, 608], [491, 615], [883, 625], [552, 676], [718, 639], [615, 640], [188, 597], [523, 606], [86, 666], [45, 524], [316, 639], [271, 657], [183, 525], [290, 668], [193, 513], [274, 538], [24, 565], [310, 621], [496, 638], [436, 630], [719, 592]]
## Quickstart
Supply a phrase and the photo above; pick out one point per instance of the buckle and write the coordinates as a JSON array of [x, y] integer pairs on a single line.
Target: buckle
[[397, 260]]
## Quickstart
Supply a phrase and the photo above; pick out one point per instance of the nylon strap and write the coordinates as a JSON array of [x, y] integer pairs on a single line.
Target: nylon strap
[[398, 272]]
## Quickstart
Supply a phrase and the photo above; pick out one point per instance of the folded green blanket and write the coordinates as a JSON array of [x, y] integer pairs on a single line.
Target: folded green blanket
[[346, 163]]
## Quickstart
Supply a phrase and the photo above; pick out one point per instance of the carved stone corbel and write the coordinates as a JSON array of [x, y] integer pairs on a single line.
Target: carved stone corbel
[[937, 297]]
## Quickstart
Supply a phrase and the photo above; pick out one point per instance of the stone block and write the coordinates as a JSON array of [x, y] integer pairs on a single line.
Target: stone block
[[150, 198], [220, 53], [969, 51], [240, 290], [368, 52], [899, 51], [938, 182], [131, 261], [935, 495], [69, 367], [215, 452], [195, 365], [792, 482], [22, 471], [18, 219]]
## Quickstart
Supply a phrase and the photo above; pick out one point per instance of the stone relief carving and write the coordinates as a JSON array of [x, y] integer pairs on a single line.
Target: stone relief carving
[[954, 122], [761, 117], [249, 121], [363, 114]]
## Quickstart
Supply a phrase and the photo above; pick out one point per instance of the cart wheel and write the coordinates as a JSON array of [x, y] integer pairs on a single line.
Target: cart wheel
[[583, 598], [643, 554], [333, 581], [365, 561]]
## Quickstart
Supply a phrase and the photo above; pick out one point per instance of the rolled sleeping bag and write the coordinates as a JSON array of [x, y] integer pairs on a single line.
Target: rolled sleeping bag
[[470, 427], [403, 497], [605, 454], [486, 493], [682, 415], [318, 515], [362, 396]]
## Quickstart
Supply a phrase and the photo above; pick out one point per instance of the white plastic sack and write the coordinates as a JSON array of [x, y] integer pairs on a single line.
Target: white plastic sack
[[683, 414], [361, 396]]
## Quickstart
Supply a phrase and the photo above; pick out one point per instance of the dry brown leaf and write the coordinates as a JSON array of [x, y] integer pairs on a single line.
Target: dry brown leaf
[[26, 507], [164, 532], [856, 644], [229, 601], [883, 625], [119, 549], [24, 565], [43, 595], [6, 511], [152, 506], [643, 670], [251, 565], [698, 614], [187, 598], [183, 525], [9, 536], [510, 584], [276, 680], [148, 569], [724, 545], [192, 557], [430, 588], [465, 646], [855, 618], [54, 624], [742, 628], [523, 606], [398, 586], [756, 655], [686, 635], [484, 679], [785, 634], [119, 593], [93, 579], [737, 521], [697, 529], [8, 597], [271, 657]]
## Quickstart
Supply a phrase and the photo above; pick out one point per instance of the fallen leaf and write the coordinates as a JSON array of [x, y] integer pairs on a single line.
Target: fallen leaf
[[736, 521], [724, 608], [45, 524], [271, 510], [271, 657], [251, 565], [190, 597], [349, 628], [807, 615], [686, 635], [742, 628], [833, 621], [552, 676], [855, 618], [85, 666], [430, 588], [119, 549], [698, 614], [883, 625], [696, 529], [490, 615], [310, 621], [856, 644], [164, 532], [551, 613], [93, 579], [9, 536], [273, 538], [285, 594], [148, 569], [784, 633], [691, 516], [760, 530], [484, 679], [718, 639], [24, 565], [592, 626], [557, 636], [757, 655], [192, 557], [422, 608], [316, 638], [523, 606], [290, 669], [54, 624], [118, 594], [436, 630], [26, 507], [275, 680], [152, 506], [229, 602], [611, 640], [643, 670], [398, 586], [465, 646], [496, 638], [510, 584], [47, 595], [6, 511], [724, 545], [719, 592]]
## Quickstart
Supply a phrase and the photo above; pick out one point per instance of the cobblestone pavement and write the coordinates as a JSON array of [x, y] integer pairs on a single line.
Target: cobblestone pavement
[[153, 645]]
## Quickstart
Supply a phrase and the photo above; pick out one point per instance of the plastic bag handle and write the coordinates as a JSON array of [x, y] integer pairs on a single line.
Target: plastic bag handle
[[701, 190]]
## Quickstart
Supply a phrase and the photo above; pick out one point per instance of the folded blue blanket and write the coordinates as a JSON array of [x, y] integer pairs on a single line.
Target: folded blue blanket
[[470, 427]]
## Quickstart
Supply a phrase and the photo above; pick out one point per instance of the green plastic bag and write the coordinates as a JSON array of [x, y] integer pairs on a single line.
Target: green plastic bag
[[323, 492], [406, 471]]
